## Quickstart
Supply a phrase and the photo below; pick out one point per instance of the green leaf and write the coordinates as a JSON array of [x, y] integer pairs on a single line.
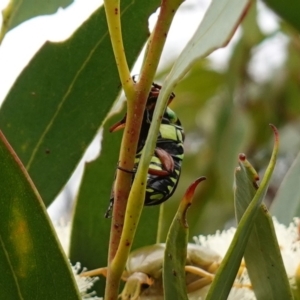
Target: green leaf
[[286, 204], [215, 31], [176, 249], [262, 255], [62, 97], [90, 230], [288, 10], [31, 258], [230, 265], [19, 11]]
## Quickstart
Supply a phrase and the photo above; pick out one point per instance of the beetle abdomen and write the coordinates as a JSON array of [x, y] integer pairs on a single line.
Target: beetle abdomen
[[170, 139]]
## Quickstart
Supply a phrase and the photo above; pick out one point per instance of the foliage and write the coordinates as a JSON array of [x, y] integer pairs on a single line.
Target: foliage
[[48, 129]]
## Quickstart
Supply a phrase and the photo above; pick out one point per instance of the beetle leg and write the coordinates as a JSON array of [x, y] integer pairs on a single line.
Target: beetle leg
[[109, 209], [166, 159], [119, 125], [156, 92], [167, 162]]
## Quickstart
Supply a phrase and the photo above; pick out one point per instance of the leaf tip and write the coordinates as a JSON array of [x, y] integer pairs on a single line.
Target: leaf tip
[[276, 133], [191, 189], [188, 196], [186, 202], [243, 160]]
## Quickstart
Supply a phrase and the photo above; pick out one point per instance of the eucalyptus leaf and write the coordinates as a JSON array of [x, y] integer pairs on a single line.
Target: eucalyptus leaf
[[288, 10], [60, 100], [230, 265], [215, 31], [176, 249], [262, 255], [90, 229], [286, 204], [31, 258]]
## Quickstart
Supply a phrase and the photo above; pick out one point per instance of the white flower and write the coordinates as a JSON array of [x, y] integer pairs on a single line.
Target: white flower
[[289, 243], [84, 284], [63, 230]]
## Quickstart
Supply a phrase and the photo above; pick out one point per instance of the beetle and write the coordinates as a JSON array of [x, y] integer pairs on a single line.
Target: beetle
[[143, 273], [165, 165]]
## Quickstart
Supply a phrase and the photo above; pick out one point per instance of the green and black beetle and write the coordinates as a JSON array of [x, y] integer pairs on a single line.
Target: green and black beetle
[[165, 165]]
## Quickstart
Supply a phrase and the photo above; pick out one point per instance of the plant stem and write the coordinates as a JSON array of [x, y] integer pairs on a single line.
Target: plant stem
[[136, 101], [137, 193], [121, 191], [129, 142], [158, 37], [112, 10], [159, 237]]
